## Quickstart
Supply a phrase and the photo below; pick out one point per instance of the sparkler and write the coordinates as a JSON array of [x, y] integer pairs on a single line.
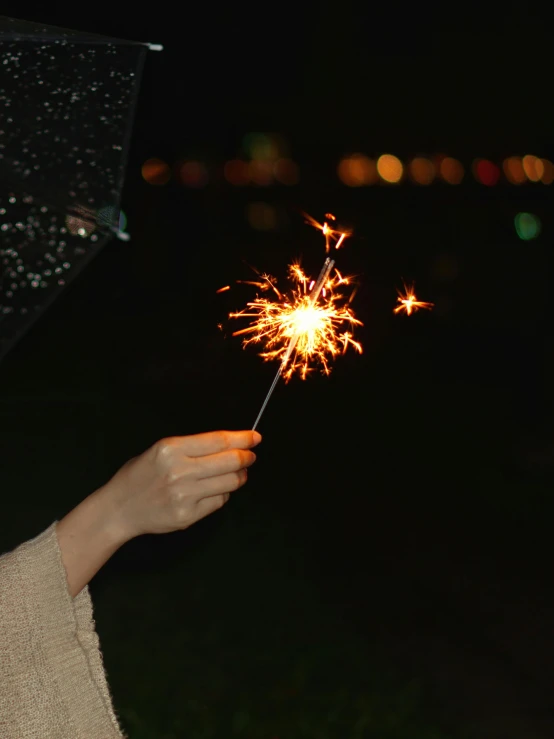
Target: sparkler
[[309, 326], [409, 303]]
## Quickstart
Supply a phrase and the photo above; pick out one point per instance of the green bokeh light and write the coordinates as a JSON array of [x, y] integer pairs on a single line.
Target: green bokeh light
[[528, 226]]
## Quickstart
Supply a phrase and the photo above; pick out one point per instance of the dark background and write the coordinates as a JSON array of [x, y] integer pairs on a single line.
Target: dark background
[[387, 571]]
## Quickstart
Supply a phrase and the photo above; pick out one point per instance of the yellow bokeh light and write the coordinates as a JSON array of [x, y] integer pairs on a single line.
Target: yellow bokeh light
[[357, 171], [156, 171], [513, 170], [533, 167], [548, 172], [390, 168], [451, 171], [422, 170]]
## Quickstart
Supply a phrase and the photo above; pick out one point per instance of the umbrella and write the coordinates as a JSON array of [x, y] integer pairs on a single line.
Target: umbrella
[[68, 101]]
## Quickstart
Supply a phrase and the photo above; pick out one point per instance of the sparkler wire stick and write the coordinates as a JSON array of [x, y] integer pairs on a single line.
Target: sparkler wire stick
[[314, 295]]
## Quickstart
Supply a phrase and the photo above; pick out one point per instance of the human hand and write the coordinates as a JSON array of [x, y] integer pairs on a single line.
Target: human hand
[[178, 481]]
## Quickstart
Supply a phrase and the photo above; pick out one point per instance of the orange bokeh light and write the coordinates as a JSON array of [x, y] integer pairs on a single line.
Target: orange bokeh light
[[156, 171], [533, 167], [357, 171], [286, 172], [513, 170], [193, 174], [261, 172], [422, 170], [451, 171], [390, 168], [548, 172], [237, 172]]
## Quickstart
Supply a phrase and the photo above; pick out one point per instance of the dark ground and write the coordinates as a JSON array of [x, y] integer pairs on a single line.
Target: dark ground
[[388, 567]]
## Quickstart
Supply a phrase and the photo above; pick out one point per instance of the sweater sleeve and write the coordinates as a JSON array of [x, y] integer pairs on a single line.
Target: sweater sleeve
[[52, 679]]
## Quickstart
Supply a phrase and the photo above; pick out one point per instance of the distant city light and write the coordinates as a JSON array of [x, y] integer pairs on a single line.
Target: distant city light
[[194, 174], [533, 167], [390, 168], [422, 170], [486, 172], [451, 171], [156, 171], [528, 226], [237, 172], [286, 172], [548, 172], [513, 170], [261, 172], [357, 171]]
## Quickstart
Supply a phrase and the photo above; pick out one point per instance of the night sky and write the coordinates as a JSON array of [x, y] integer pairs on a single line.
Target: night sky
[[410, 491]]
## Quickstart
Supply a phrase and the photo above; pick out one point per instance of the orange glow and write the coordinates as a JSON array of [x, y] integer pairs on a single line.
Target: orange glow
[[156, 172], [548, 173], [357, 171], [422, 171], [390, 168], [286, 172], [193, 174], [513, 170], [261, 172], [533, 167], [223, 289], [451, 171], [237, 172], [409, 303]]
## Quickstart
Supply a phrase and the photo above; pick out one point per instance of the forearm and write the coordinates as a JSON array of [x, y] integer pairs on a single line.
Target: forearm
[[88, 536]]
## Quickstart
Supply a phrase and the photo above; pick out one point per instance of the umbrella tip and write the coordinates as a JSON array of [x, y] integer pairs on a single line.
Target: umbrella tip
[[155, 47]]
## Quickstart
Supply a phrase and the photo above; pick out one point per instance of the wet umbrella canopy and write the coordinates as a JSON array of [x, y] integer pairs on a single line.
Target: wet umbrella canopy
[[67, 103]]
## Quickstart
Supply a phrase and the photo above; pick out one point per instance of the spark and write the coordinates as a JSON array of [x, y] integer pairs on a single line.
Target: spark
[[409, 303], [331, 234], [300, 331], [223, 289]]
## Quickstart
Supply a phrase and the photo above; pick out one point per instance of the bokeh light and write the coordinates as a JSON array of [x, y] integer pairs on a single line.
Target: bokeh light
[[156, 171], [261, 146], [261, 172], [548, 172], [528, 226], [451, 171], [194, 174], [390, 168], [261, 216], [486, 172], [422, 170], [357, 170], [286, 172], [533, 167], [513, 170], [237, 172]]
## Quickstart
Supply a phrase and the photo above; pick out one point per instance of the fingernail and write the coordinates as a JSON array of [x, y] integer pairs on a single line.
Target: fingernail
[[257, 437]]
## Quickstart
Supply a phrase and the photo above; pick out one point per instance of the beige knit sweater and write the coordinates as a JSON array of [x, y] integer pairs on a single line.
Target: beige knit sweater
[[52, 680]]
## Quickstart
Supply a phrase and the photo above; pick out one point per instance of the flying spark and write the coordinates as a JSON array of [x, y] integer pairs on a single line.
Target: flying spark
[[409, 303]]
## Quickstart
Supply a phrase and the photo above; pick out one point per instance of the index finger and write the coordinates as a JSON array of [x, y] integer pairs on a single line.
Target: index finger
[[213, 442]]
